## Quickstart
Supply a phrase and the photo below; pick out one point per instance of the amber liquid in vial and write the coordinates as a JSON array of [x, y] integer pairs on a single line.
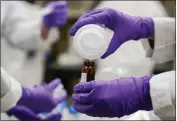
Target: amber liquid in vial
[[91, 72], [85, 69]]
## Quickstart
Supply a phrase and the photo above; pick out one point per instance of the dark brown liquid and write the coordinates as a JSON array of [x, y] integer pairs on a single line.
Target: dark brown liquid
[[89, 68], [85, 69], [90, 77]]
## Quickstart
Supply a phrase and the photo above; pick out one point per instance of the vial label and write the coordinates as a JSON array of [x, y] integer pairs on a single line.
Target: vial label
[[83, 77]]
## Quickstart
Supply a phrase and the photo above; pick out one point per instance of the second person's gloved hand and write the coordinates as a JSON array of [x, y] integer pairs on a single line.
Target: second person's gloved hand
[[115, 98], [125, 27], [25, 114], [58, 15], [42, 98]]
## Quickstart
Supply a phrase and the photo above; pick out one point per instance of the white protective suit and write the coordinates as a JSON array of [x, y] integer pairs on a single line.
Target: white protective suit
[[11, 91], [162, 86], [125, 61], [20, 33]]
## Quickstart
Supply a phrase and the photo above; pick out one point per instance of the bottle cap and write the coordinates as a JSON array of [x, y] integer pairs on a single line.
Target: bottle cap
[[86, 63], [91, 41]]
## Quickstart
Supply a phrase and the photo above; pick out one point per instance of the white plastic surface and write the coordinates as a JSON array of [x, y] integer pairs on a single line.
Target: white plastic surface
[[124, 68], [91, 41]]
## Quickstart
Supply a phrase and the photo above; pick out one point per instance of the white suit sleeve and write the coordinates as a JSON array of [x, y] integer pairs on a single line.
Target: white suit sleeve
[[22, 25], [11, 91], [162, 90], [165, 42], [163, 85]]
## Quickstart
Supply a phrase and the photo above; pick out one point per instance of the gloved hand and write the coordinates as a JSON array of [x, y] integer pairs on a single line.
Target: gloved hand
[[125, 27], [115, 98], [42, 98], [58, 16], [25, 114]]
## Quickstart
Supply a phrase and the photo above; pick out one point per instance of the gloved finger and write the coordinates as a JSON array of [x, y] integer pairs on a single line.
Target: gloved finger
[[93, 19], [61, 2], [84, 87], [61, 11], [61, 19], [90, 12], [57, 17], [35, 86], [82, 98], [52, 85], [44, 84], [57, 4], [92, 114], [60, 22], [54, 117], [62, 96], [61, 8], [58, 14], [82, 108], [112, 48], [23, 113]]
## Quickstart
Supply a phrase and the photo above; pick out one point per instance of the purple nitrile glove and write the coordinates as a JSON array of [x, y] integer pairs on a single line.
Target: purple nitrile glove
[[58, 16], [42, 98], [115, 98], [25, 114], [125, 27]]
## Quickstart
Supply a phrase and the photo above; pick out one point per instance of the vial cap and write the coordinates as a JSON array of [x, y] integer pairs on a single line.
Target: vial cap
[[91, 42], [86, 63]]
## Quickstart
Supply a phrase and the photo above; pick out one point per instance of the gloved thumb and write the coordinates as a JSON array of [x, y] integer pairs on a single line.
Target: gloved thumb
[[54, 84], [57, 4], [54, 117], [92, 19], [84, 87], [112, 46], [35, 86]]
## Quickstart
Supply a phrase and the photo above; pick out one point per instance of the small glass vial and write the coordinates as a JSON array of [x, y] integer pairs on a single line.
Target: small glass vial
[[85, 69], [84, 72], [91, 72]]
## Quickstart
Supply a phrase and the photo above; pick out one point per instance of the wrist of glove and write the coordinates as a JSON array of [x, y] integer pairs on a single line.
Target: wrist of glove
[[142, 27], [115, 98]]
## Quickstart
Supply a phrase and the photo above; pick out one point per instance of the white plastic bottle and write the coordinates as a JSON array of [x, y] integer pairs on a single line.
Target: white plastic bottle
[[91, 41]]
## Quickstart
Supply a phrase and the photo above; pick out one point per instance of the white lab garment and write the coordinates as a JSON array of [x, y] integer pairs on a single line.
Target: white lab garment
[[20, 33], [11, 91], [162, 89], [162, 86]]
